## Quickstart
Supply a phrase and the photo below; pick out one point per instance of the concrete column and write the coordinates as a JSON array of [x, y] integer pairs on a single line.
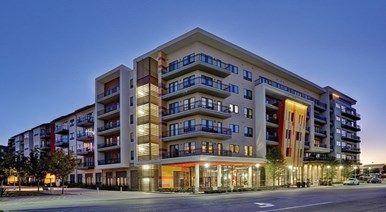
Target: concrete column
[[219, 176], [250, 177], [196, 177]]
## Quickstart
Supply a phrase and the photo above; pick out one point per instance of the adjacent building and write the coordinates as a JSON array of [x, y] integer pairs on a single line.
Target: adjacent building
[[200, 112]]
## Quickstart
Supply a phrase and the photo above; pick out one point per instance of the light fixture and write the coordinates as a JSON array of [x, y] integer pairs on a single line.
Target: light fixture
[[257, 165], [328, 166], [206, 165], [340, 167], [290, 166], [146, 167]]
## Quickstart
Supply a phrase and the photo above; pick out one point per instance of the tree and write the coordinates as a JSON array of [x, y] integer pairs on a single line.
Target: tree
[[275, 163], [38, 166], [347, 169], [18, 165], [330, 168], [61, 164]]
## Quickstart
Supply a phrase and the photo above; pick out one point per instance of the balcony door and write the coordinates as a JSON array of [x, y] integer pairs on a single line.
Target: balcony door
[[174, 150], [189, 125], [189, 104], [207, 125], [173, 129]]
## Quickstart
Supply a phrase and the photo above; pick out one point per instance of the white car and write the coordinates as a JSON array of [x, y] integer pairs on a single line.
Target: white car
[[351, 181]]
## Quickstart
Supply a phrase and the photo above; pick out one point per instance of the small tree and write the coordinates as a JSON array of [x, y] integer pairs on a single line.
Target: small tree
[[18, 165], [330, 168], [347, 169], [275, 163], [38, 166], [61, 164]]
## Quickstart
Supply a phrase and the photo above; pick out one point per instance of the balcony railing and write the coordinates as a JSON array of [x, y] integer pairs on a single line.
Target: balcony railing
[[197, 81], [108, 109], [272, 138], [351, 125], [62, 142], [351, 150], [351, 112], [84, 136], [61, 129], [314, 158], [318, 131], [84, 151], [173, 67], [317, 116], [44, 134], [195, 152], [109, 161], [272, 120], [320, 145], [351, 137], [86, 165], [194, 105], [104, 145], [85, 120], [197, 128], [289, 90], [108, 92], [108, 127]]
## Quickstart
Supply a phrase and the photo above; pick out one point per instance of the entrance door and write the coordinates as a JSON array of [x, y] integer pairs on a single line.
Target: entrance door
[[134, 179]]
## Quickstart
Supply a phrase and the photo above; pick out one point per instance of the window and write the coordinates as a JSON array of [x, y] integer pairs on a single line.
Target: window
[[207, 147], [188, 59], [232, 68], [131, 100], [173, 87], [248, 132], [131, 119], [173, 65], [173, 129], [189, 125], [233, 108], [207, 103], [235, 128], [247, 94], [248, 112], [189, 104], [338, 118], [207, 80], [132, 155], [298, 136], [234, 148], [131, 137], [337, 105], [247, 75], [173, 108], [189, 147], [72, 136], [338, 131], [233, 88], [338, 156], [131, 83], [248, 150], [188, 81], [287, 134], [72, 122]]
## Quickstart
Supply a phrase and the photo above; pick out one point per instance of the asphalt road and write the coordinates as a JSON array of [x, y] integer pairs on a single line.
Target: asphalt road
[[365, 197]]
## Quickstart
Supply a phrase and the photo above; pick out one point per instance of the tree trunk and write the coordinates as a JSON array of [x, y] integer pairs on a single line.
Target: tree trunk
[[38, 185], [62, 185]]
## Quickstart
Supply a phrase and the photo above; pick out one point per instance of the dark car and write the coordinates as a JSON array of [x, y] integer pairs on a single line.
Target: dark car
[[375, 180]]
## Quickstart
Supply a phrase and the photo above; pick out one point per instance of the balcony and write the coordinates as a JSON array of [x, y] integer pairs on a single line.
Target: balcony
[[320, 145], [314, 158], [350, 113], [320, 119], [350, 126], [85, 151], [85, 121], [195, 152], [272, 140], [61, 129], [109, 161], [272, 122], [45, 146], [200, 62], [109, 95], [85, 136], [108, 146], [320, 133], [86, 165], [351, 150], [197, 131], [271, 104], [349, 137], [109, 129], [319, 105], [307, 144], [62, 142], [198, 107], [44, 135], [109, 112], [195, 85]]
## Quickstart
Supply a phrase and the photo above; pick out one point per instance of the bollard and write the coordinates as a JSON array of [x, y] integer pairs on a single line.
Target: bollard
[[121, 189]]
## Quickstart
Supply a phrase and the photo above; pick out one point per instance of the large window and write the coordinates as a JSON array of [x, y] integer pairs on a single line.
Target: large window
[[233, 88], [188, 59], [173, 87], [248, 150], [189, 147], [233, 108], [188, 81], [247, 75], [173, 65], [232, 68], [207, 147], [234, 148], [248, 132], [235, 128], [248, 112]]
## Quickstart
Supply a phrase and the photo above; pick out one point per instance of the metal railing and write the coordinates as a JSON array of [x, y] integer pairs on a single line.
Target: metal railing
[[320, 117], [194, 152], [194, 105], [174, 66], [272, 138], [109, 161], [103, 145], [108, 126], [108, 92], [197, 128], [85, 119], [196, 81], [108, 109]]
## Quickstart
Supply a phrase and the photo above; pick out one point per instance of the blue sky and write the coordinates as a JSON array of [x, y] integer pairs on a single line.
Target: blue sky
[[51, 51]]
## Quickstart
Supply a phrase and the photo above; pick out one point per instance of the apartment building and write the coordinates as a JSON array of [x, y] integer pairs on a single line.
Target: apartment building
[[200, 112], [41, 139]]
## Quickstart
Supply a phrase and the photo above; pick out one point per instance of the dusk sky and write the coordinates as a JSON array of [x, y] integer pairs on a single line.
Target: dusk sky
[[52, 51]]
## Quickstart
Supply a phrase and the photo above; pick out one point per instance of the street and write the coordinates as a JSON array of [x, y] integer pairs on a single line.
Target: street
[[365, 197]]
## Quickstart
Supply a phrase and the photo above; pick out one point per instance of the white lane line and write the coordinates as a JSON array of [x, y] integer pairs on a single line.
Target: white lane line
[[294, 207]]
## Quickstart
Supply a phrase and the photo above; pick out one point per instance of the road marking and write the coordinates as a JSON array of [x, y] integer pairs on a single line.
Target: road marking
[[300, 206], [263, 205]]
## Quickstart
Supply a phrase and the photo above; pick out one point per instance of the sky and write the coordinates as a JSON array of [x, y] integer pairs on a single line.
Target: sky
[[52, 51]]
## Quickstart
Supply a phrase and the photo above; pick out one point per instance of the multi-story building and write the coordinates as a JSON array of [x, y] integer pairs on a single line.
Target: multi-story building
[[42, 139], [199, 112]]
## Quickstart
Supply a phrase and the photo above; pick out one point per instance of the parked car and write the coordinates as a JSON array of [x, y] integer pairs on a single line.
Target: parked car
[[375, 180], [351, 181]]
